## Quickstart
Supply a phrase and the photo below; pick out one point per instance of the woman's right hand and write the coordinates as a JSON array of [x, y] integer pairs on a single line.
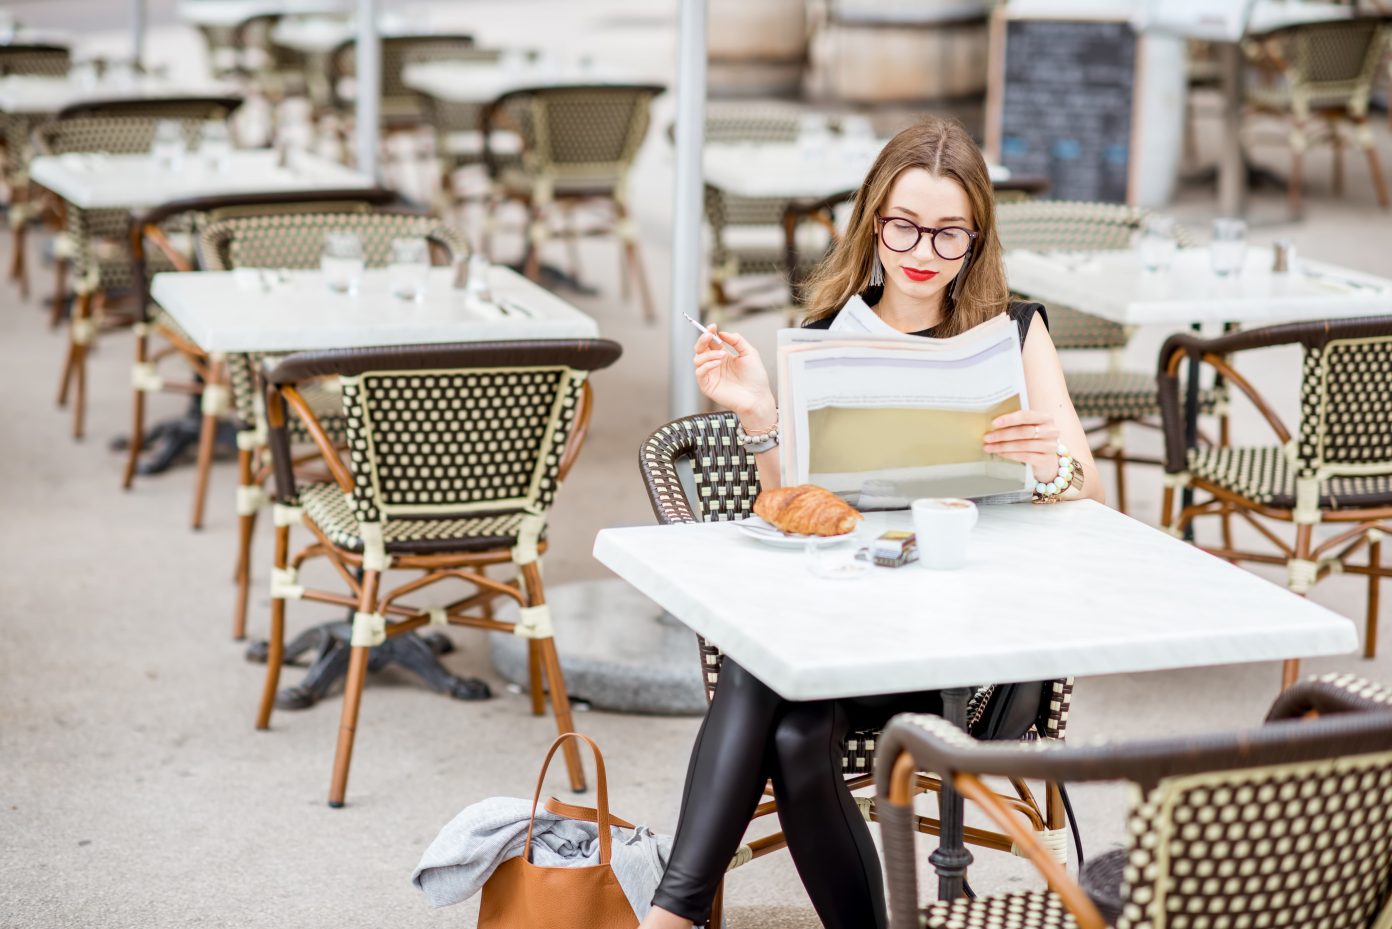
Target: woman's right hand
[[736, 383]]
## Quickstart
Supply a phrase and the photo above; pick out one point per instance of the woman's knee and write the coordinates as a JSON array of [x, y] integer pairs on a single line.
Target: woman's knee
[[806, 737]]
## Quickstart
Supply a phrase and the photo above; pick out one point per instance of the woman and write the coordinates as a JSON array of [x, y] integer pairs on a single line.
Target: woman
[[920, 256]]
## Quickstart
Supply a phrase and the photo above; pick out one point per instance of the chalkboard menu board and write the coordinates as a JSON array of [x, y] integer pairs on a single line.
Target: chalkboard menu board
[[1062, 104]]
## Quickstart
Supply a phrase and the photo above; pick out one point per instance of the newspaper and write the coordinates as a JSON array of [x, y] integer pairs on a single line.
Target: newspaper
[[883, 420]]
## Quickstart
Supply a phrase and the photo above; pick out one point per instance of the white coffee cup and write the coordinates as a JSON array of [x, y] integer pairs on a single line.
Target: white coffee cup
[[942, 525]]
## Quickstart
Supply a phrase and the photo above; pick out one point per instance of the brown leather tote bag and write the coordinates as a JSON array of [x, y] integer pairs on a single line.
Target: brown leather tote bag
[[521, 895]]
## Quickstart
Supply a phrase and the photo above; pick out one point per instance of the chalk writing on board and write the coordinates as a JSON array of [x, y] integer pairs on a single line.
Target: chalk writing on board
[[1066, 105]]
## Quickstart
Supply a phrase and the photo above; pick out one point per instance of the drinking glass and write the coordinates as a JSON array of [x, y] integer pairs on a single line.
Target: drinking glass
[[1157, 243], [215, 146], [84, 74], [342, 262], [409, 270], [1229, 247], [167, 146], [841, 558]]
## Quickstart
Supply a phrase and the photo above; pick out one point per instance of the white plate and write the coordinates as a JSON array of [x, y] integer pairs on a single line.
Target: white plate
[[758, 528]]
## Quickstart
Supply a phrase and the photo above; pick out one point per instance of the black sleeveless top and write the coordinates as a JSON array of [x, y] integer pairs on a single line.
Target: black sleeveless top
[[1023, 314]]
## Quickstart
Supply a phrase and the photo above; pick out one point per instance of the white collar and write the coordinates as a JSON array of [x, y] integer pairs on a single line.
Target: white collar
[[858, 317]]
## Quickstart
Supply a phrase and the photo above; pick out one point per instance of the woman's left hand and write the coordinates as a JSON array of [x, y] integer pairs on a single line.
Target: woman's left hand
[[1027, 436]]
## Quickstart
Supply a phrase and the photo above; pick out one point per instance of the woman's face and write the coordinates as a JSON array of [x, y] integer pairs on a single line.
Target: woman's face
[[921, 274]]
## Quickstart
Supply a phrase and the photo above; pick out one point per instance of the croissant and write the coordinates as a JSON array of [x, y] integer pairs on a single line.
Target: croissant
[[806, 509]]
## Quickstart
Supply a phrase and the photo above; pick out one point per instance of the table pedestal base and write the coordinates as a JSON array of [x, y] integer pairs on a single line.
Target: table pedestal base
[[166, 443], [952, 859], [329, 642], [618, 651]]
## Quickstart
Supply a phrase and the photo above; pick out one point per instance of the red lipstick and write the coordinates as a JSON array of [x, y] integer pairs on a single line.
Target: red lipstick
[[919, 276]]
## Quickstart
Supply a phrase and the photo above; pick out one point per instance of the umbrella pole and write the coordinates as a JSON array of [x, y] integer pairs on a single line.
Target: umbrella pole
[[686, 226]]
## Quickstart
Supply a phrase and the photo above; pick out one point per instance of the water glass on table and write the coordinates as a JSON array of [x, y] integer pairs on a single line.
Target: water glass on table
[[215, 146], [1229, 248], [1157, 245], [342, 262], [839, 558], [409, 270], [167, 146]]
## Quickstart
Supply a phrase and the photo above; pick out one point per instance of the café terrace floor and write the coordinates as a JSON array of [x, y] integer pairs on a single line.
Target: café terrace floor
[[133, 788]]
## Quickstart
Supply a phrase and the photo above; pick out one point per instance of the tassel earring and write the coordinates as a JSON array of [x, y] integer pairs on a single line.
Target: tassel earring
[[876, 272]]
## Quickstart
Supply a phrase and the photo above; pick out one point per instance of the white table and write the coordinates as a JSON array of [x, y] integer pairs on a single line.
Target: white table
[[228, 13], [1116, 596], [319, 35], [135, 181], [1115, 286], [31, 95], [484, 82], [1119, 596], [794, 171], [234, 311]]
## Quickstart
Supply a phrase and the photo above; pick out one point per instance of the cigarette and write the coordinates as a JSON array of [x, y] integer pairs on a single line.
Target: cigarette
[[715, 338]]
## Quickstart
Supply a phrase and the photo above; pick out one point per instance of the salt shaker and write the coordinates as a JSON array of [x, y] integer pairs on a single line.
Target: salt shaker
[[1283, 256]]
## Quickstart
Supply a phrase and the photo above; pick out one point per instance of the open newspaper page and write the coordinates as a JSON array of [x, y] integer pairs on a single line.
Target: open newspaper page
[[885, 421]]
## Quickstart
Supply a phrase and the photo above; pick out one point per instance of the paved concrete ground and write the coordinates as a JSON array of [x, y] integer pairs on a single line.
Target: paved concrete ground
[[133, 789]]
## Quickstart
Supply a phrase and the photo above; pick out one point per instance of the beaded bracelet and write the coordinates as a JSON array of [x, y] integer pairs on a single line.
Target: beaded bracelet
[[756, 442], [1067, 468]]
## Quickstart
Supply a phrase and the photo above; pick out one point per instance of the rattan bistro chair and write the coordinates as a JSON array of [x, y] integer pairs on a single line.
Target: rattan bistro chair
[[1335, 468], [725, 481], [1288, 824], [1105, 400], [578, 145], [94, 242], [401, 105], [1325, 74], [289, 240], [39, 61], [455, 455], [162, 238]]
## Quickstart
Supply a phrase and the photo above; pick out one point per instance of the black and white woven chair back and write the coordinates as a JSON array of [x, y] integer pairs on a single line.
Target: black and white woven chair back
[[581, 132], [398, 51], [128, 127], [1336, 63], [1345, 411], [1303, 843], [461, 443], [34, 60]]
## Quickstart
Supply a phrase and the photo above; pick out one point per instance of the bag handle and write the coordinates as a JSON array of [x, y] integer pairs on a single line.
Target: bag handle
[[584, 814], [602, 818]]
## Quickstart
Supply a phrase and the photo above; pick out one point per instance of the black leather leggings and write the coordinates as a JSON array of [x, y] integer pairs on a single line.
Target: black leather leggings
[[751, 735]]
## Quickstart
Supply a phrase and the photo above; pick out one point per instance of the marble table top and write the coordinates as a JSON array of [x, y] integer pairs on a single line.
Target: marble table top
[[1115, 286], [92, 181], [34, 95], [484, 82], [246, 311], [793, 170], [1047, 592]]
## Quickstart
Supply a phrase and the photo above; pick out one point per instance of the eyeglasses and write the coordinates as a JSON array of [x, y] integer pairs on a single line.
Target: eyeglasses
[[949, 242]]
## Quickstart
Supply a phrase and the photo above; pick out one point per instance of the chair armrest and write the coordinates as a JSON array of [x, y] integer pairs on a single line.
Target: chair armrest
[[657, 460], [282, 461]]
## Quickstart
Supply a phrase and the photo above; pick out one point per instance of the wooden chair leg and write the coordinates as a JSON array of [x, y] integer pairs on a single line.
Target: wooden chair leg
[[80, 333], [717, 911], [555, 681], [1293, 185], [1375, 169], [60, 292], [246, 529], [352, 697], [207, 437], [1374, 579], [1336, 142], [137, 435], [534, 673], [534, 239], [635, 264], [275, 641]]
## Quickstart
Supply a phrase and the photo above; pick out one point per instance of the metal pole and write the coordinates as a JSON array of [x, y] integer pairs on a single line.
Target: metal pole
[[686, 225], [137, 34], [369, 81]]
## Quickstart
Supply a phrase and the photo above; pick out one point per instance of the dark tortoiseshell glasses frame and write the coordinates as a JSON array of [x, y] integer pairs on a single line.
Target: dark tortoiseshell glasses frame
[[921, 231]]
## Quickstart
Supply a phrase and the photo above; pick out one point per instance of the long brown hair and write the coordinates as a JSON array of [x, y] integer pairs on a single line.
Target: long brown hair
[[944, 149]]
